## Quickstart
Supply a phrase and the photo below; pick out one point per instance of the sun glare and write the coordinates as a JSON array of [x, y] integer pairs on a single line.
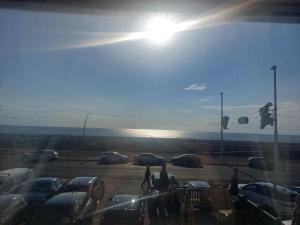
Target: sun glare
[[160, 29]]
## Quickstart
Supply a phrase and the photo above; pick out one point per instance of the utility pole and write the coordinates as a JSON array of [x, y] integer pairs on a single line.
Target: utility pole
[[276, 154], [84, 124], [221, 137]]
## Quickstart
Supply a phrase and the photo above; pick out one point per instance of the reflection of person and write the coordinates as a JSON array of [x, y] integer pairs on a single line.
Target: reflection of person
[[173, 198], [187, 217], [152, 205], [173, 184], [234, 187], [147, 178], [296, 216], [163, 178]]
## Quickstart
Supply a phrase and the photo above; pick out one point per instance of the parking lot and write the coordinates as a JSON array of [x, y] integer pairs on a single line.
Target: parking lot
[[127, 178]]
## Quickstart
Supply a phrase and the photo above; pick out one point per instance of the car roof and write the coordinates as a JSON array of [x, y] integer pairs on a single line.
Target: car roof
[[67, 198], [82, 181], [256, 157], [156, 175], [189, 155], [108, 152], [119, 202], [150, 154], [45, 180], [198, 183], [278, 187], [145, 153]]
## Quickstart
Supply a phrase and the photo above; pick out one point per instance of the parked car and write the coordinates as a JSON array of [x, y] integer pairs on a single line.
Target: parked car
[[93, 186], [13, 209], [41, 156], [72, 208], [196, 184], [39, 190], [187, 160], [12, 177], [155, 180], [260, 163], [277, 200], [149, 159], [296, 189], [124, 209], [112, 158]]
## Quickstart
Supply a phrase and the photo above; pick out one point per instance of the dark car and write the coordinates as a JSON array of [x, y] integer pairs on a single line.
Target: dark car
[[93, 186], [277, 200], [155, 180], [39, 190], [296, 189], [124, 209], [149, 159], [187, 160], [260, 163], [65, 209], [13, 209]]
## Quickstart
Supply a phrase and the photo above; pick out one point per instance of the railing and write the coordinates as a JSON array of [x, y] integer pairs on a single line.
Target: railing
[[218, 201], [198, 196]]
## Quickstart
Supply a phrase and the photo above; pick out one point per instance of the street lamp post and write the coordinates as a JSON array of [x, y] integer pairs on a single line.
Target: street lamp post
[[276, 162], [221, 136], [84, 124]]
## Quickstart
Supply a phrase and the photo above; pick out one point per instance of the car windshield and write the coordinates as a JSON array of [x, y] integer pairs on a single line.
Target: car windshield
[[40, 187], [74, 187], [193, 106]]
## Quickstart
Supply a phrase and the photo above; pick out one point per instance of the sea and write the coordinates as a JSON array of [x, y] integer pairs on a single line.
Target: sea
[[145, 133]]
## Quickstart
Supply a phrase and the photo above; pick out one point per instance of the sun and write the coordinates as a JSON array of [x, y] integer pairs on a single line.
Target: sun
[[160, 30]]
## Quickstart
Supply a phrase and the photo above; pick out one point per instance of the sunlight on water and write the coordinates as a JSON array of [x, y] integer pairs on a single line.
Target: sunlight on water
[[153, 133]]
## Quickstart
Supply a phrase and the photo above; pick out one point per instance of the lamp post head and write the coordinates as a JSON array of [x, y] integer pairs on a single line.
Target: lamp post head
[[273, 68]]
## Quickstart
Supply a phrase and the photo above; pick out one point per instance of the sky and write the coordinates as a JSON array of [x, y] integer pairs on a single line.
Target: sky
[[56, 68]]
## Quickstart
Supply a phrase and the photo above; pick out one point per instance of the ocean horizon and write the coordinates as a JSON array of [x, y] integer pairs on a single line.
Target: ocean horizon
[[145, 133]]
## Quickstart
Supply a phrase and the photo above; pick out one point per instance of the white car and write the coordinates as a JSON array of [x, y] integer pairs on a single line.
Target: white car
[[112, 158], [275, 199], [149, 159], [196, 184], [43, 155], [260, 163], [12, 177]]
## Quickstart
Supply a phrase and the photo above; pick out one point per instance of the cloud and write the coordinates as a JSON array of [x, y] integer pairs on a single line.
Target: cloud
[[196, 87], [232, 107], [207, 99]]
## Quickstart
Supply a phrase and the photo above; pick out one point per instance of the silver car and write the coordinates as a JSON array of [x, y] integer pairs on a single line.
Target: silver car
[[196, 184], [112, 158], [275, 199], [43, 156], [149, 159]]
